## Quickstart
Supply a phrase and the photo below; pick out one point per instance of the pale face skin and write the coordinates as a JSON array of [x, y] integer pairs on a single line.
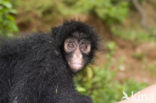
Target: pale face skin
[[76, 49]]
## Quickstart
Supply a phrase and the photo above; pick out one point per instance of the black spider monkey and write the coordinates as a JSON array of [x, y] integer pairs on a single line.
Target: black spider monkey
[[39, 68]]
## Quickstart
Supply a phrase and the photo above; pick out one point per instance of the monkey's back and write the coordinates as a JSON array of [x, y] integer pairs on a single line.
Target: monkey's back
[[34, 59]]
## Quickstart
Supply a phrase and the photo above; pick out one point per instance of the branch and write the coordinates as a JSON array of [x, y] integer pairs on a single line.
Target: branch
[[142, 13]]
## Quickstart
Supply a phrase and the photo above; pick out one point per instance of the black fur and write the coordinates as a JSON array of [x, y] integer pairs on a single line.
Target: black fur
[[33, 69]]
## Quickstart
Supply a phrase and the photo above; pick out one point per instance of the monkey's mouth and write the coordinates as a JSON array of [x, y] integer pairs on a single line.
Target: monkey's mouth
[[76, 66]]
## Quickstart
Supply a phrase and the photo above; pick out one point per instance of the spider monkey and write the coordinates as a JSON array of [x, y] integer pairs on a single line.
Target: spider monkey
[[39, 68]]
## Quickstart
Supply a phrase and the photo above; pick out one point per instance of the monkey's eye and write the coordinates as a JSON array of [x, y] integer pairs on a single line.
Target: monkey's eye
[[85, 46], [70, 45]]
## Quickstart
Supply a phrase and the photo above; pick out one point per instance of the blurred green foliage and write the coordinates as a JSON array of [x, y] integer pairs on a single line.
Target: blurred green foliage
[[150, 67], [7, 20], [134, 33], [99, 83], [107, 10], [111, 47], [112, 12], [138, 56], [40, 8]]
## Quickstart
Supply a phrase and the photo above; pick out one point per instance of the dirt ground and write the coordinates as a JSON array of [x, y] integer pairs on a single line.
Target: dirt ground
[[132, 67]]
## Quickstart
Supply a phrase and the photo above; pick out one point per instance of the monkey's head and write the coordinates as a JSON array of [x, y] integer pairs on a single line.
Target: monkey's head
[[78, 43]]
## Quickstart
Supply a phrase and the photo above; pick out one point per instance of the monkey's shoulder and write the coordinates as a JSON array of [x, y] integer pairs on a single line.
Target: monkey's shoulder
[[16, 46]]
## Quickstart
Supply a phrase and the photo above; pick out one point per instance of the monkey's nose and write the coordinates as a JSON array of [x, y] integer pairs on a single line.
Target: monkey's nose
[[77, 55]]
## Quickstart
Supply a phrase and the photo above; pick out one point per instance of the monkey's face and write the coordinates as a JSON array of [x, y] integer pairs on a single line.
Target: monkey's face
[[77, 52]]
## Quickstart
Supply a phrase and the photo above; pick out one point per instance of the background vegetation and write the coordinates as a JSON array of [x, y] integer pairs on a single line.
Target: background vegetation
[[127, 59]]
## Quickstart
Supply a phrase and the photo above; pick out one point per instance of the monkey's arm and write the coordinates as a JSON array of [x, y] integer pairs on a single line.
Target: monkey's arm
[[9, 52]]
